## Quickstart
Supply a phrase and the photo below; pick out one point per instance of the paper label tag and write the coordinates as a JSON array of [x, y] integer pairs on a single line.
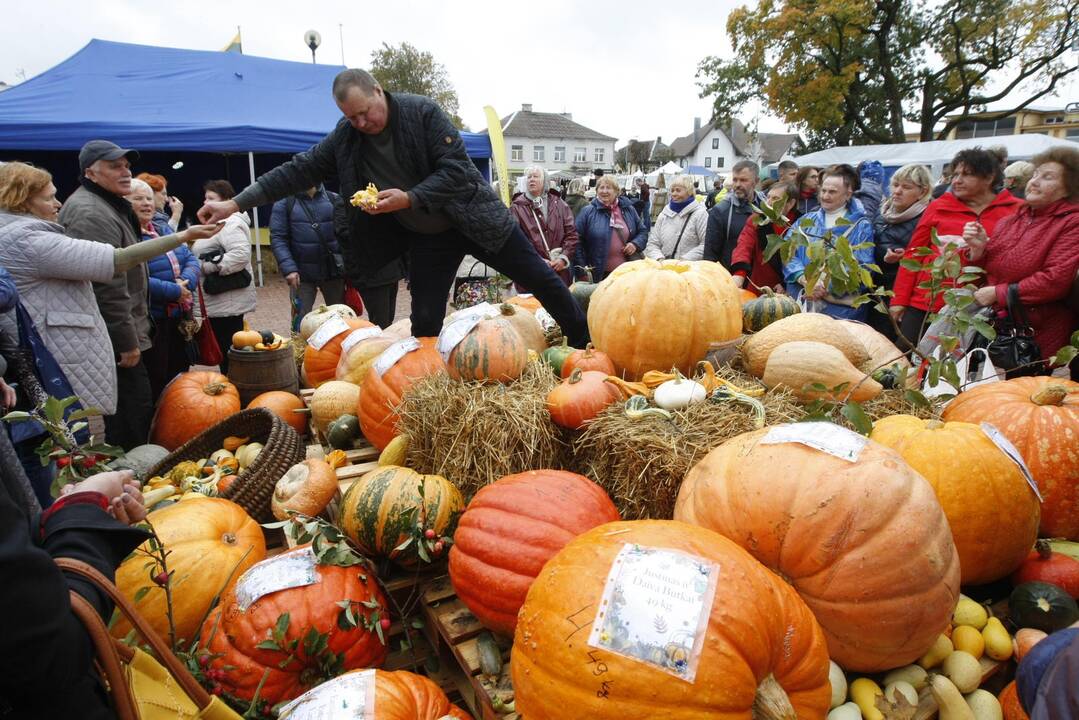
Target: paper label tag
[[546, 320], [288, 570], [956, 240], [824, 436], [327, 331], [357, 336], [1013, 454], [393, 353], [655, 608], [452, 335], [347, 697]]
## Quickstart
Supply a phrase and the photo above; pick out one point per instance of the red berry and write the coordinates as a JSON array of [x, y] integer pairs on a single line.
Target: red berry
[[385, 623], [429, 534], [204, 660], [89, 462], [162, 578], [63, 461], [438, 547], [217, 690]]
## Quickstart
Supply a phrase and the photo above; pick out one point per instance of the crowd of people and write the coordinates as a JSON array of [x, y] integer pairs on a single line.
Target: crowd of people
[[102, 296]]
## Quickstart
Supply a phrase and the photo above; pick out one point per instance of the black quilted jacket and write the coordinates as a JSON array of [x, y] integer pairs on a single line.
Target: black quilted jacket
[[428, 144]]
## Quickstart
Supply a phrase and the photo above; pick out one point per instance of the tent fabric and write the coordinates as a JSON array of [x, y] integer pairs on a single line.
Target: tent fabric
[[699, 170], [231, 102]]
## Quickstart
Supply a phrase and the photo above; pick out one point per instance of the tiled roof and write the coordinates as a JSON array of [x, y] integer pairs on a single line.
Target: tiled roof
[[547, 125]]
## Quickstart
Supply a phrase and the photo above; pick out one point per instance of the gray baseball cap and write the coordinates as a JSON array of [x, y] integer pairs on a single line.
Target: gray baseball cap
[[103, 150]]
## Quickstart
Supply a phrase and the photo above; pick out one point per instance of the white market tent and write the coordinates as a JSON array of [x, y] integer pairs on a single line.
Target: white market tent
[[935, 153]]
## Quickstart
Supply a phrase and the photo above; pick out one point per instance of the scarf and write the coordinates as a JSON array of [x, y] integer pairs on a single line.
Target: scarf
[[539, 202], [678, 207], [890, 216], [119, 204]]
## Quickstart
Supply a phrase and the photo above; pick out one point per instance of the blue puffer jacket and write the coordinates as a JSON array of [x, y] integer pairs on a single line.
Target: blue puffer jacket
[[860, 231], [295, 243], [163, 288], [594, 235]]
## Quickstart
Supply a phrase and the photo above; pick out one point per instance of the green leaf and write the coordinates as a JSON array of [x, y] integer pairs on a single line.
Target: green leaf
[[281, 626], [984, 329], [857, 417], [916, 398], [268, 645], [1064, 355], [141, 593], [911, 264]]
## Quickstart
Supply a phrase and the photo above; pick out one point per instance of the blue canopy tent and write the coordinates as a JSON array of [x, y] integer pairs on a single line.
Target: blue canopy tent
[[174, 100], [699, 170]]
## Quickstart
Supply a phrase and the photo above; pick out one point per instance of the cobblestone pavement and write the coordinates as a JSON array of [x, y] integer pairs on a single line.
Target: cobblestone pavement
[[274, 312]]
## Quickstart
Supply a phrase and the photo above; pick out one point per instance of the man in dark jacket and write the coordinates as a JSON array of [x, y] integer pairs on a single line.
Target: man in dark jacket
[[302, 239], [727, 218], [433, 204]]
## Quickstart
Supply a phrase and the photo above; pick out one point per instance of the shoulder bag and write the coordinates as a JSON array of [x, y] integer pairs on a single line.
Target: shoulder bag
[[1014, 349]]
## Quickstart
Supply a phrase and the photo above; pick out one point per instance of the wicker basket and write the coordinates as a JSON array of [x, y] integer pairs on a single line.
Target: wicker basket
[[254, 486]]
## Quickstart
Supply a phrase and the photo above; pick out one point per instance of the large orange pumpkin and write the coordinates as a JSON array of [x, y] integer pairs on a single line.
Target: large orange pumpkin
[[992, 511], [397, 695], [357, 360], [650, 315], [283, 404], [308, 615], [491, 351], [193, 402], [510, 529], [208, 540], [1040, 415], [320, 365], [381, 392], [865, 543], [760, 638]]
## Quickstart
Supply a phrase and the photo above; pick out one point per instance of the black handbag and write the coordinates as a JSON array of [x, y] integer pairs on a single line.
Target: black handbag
[[216, 283], [1014, 349]]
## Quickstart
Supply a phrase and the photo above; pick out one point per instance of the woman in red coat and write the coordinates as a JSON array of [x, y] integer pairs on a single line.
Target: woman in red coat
[[1037, 249], [971, 198], [747, 260], [547, 221]]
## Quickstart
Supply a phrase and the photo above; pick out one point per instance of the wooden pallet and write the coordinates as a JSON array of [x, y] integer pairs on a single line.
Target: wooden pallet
[[453, 630]]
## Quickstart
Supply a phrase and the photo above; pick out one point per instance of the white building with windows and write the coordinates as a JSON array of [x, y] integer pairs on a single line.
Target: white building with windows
[[554, 141], [718, 149]]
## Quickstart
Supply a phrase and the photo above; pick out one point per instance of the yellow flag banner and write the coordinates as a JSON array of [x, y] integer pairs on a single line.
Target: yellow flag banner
[[498, 153]]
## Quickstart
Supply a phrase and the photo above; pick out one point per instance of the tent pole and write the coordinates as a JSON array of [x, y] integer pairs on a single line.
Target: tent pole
[[255, 213]]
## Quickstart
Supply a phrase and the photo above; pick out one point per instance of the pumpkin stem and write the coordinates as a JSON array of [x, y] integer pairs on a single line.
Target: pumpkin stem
[[507, 309], [1050, 395], [1045, 550], [934, 425], [575, 376], [589, 350], [772, 702], [229, 538], [214, 388]]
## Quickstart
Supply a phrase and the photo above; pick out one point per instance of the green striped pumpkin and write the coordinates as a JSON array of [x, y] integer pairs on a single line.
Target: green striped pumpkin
[[379, 513], [759, 313]]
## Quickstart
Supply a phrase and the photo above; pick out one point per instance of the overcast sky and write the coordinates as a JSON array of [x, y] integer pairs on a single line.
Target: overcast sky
[[624, 68]]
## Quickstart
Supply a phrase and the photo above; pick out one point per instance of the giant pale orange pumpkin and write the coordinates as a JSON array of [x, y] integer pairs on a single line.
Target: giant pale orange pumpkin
[[292, 639], [208, 540], [992, 511], [357, 360], [397, 695], [381, 391], [492, 351], [320, 365], [760, 639], [865, 543], [650, 315], [193, 402], [510, 529], [284, 405], [1040, 415], [527, 302]]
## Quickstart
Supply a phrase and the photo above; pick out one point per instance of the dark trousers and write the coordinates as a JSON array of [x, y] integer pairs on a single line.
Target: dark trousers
[[911, 328], [333, 293], [380, 302], [224, 328], [433, 262], [167, 358], [129, 426]]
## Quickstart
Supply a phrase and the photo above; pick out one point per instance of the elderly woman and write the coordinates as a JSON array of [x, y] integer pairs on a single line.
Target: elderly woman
[[678, 233], [747, 260], [575, 196], [609, 229], [173, 275], [970, 199], [836, 201], [1036, 250], [164, 222], [1016, 177], [547, 221], [808, 186], [54, 272], [225, 254], [911, 193]]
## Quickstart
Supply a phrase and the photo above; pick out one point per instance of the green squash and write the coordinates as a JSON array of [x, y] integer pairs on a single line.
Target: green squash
[[556, 355], [1042, 606], [343, 432], [582, 290], [760, 313]]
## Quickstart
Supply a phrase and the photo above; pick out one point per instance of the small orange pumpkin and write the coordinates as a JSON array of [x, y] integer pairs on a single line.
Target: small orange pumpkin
[[587, 359], [193, 402], [491, 351], [580, 398], [745, 294], [284, 405]]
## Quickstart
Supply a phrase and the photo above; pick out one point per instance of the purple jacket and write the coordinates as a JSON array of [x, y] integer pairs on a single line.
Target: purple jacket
[[557, 229]]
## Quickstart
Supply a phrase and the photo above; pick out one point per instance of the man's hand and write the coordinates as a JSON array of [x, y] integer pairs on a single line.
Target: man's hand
[[129, 359], [211, 212], [986, 296], [293, 279], [629, 249], [893, 256], [199, 232], [389, 201], [122, 490]]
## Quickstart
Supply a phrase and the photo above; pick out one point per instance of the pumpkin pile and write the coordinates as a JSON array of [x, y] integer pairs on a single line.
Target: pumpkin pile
[[257, 340], [208, 476]]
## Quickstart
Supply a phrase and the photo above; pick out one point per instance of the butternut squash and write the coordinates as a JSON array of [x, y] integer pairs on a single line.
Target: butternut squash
[[935, 655], [969, 640], [998, 643], [913, 674], [759, 346], [949, 700], [801, 364], [864, 692], [985, 705], [964, 670]]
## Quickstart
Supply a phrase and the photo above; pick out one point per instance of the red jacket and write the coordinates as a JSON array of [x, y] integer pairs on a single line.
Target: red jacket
[[558, 229], [948, 215], [748, 260], [1040, 251]]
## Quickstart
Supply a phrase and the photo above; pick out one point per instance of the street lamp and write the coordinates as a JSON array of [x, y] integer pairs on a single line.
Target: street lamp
[[312, 39]]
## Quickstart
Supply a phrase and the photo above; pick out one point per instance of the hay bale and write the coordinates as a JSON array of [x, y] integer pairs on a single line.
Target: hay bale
[[473, 434], [894, 402], [641, 463]]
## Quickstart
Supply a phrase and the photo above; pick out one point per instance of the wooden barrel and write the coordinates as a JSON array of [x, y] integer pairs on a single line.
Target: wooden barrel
[[259, 371]]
